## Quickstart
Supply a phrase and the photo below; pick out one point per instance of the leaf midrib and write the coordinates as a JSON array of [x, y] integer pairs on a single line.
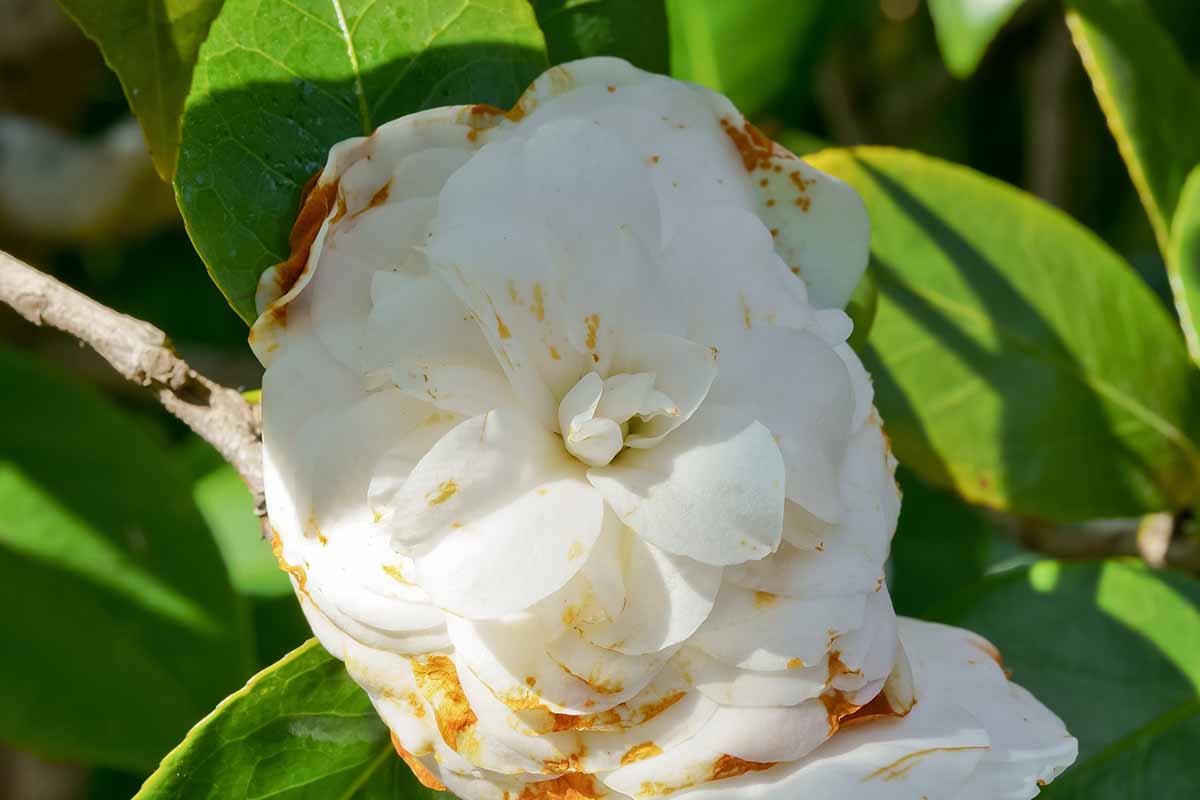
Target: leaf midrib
[[364, 114]]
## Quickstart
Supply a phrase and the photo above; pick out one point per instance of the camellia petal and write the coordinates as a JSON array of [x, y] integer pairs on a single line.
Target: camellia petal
[[568, 459], [712, 490], [499, 514]]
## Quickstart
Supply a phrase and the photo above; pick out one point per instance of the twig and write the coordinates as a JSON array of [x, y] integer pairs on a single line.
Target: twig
[[142, 354]]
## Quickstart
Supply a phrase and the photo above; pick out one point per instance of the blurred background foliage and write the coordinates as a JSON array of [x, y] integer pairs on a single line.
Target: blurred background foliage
[[137, 590]]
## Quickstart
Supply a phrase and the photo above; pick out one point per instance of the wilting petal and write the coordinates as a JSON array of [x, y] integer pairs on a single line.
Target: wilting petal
[[712, 490]]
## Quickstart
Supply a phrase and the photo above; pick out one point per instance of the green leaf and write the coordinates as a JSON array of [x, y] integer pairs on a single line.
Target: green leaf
[[299, 730], [121, 629], [1183, 260], [861, 309], [742, 49], [1016, 358], [1114, 649], [1149, 95], [228, 508], [965, 28], [941, 546], [152, 46], [278, 82], [801, 143], [635, 30]]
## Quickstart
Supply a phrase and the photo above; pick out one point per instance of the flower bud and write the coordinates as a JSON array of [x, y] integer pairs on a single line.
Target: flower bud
[[571, 464]]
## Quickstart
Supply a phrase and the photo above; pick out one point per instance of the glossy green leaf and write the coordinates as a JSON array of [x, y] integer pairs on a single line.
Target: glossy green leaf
[[941, 546], [1183, 259], [1016, 358], [742, 49], [635, 30], [965, 28], [278, 82], [121, 627], [1114, 649], [299, 730], [800, 142], [1149, 95], [861, 308], [152, 46], [228, 508]]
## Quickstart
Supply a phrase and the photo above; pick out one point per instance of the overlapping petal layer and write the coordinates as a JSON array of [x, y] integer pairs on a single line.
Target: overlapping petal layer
[[570, 463]]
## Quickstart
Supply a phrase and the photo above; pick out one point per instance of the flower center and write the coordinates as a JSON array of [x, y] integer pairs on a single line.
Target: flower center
[[599, 416]]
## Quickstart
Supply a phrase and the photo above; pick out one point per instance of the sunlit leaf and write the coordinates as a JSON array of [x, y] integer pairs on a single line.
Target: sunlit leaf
[[1183, 260], [299, 730], [1016, 358], [1149, 95]]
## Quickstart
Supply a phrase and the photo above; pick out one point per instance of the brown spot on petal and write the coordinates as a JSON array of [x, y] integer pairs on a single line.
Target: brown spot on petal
[[295, 571], [752, 144], [640, 752], [539, 303], [732, 766], [501, 329], [592, 323], [316, 201], [395, 574], [795, 663], [572, 762], [568, 787], [442, 493], [902, 766], [554, 353], [415, 705], [437, 678], [380, 197], [419, 770], [988, 649], [765, 599]]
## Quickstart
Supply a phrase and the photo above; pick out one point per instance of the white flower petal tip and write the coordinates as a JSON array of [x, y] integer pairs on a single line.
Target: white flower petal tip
[[584, 485]]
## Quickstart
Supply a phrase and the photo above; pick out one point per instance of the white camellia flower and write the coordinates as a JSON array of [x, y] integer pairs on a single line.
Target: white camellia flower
[[571, 465]]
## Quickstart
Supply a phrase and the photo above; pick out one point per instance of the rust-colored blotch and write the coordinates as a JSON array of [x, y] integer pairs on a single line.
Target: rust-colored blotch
[[316, 201], [419, 770], [573, 786], [731, 766]]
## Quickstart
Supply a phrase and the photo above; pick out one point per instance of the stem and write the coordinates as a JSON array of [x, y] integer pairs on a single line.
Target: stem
[[143, 355]]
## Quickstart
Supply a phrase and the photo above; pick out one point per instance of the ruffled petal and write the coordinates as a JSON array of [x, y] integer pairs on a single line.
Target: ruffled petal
[[711, 491], [667, 597], [796, 385], [497, 516]]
